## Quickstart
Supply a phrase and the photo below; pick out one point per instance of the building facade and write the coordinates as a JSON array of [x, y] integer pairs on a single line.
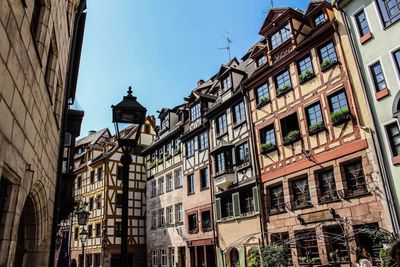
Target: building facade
[[98, 189], [39, 61], [237, 208], [374, 35], [321, 182]]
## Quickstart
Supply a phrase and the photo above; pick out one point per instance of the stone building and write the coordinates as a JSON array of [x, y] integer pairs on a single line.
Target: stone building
[[374, 30], [39, 60], [98, 188], [321, 182], [234, 168], [165, 231]]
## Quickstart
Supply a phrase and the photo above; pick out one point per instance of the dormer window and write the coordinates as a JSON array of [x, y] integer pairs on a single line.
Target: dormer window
[[261, 61], [319, 19], [195, 112], [281, 36], [226, 83], [164, 123]]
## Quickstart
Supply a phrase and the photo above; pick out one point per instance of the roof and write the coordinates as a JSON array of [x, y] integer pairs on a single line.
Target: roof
[[221, 145], [91, 139]]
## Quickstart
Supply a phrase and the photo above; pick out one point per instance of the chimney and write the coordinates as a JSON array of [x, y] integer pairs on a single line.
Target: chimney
[[92, 132], [200, 82]]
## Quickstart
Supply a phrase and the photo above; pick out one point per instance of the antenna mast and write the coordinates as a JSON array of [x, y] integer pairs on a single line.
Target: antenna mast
[[228, 44]]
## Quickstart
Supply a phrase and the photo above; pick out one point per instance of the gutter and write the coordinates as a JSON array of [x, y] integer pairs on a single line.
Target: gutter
[[394, 216]]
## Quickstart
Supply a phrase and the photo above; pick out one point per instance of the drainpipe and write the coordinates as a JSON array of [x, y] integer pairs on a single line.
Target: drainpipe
[[262, 216], [394, 218], [67, 91]]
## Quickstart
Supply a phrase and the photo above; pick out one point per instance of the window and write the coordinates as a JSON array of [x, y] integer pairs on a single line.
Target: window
[[378, 77], [92, 177], [153, 189], [98, 229], [178, 178], [396, 56], [355, 178], [277, 202], [314, 117], [327, 187], [90, 231], [91, 200], [161, 186], [227, 206], [179, 213], [154, 258], [301, 194], [177, 147], [223, 162], [283, 82], [290, 129], [168, 149], [221, 125], [319, 19], [195, 112], [97, 260], [261, 61], [239, 113], [203, 141], [267, 136], [163, 257], [338, 102], [246, 201], [153, 219], [389, 11], [164, 123], [190, 148], [190, 181], [362, 23], [170, 215], [262, 94], [206, 220], [79, 183], [280, 239], [305, 68], [204, 178], [336, 247], [119, 173], [118, 201], [242, 154], [394, 138], [192, 218], [365, 241], [100, 173], [307, 247], [280, 36], [160, 218], [76, 234], [327, 55], [226, 83], [89, 260], [37, 9], [170, 182], [171, 252]]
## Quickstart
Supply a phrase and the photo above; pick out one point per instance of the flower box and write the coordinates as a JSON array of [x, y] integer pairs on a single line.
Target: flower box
[[306, 76], [316, 128], [340, 116], [291, 137], [266, 148], [263, 102], [326, 64], [282, 90]]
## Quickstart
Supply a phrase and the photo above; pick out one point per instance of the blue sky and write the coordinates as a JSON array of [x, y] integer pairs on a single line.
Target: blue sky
[[161, 48]]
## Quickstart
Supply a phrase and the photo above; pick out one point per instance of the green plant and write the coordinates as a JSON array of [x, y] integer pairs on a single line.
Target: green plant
[[263, 100], [305, 75], [267, 147], [315, 259], [274, 255], [315, 126], [292, 135], [384, 256], [283, 89], [340, 114], [303, 259], [325, 63], [254, 257]]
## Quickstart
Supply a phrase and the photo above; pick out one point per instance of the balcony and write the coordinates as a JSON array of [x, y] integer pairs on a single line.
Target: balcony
[[224, 179]]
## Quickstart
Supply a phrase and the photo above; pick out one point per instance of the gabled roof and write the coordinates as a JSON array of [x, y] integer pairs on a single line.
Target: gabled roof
[[222, 145], [273, 14], [93, 138], [315, 4]]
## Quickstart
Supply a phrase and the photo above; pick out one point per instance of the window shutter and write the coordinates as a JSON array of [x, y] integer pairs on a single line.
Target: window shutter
[[256, 200], [218, 208], [236, 204]]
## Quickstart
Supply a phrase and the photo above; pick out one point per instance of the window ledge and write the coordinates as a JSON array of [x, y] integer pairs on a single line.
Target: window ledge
[[357, 194], [382, 94], [283, 91], [239, 123], [243, 166], [219, 135], [306, 78], [331, 65], [396, 160], [193, 232], [191, 193], [365, 38], [204, 188], [265, 151], [276, 212], [261, 104], [317, 130]]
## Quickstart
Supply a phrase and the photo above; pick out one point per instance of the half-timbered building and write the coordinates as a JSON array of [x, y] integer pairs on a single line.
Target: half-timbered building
[[233, 166], [165, 217], [321, 184], [98, 188]]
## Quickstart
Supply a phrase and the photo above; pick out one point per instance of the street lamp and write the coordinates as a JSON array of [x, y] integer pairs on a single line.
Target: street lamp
[[83, 235], [128, 111], [83, 216]]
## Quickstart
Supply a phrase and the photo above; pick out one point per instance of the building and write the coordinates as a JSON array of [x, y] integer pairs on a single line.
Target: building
[[165, 231], [321, 182], [234, 168], [375, 41], [39, 61], [98, 189]]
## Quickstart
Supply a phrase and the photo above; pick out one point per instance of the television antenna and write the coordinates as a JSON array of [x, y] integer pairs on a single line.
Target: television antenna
[[228, 44], [270, 5]]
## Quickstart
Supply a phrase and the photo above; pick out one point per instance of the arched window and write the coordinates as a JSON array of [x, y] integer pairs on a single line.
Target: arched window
[[234, 257], [51, 70]]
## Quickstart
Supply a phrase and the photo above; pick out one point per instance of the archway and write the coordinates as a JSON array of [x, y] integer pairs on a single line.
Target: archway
[[234, 257]]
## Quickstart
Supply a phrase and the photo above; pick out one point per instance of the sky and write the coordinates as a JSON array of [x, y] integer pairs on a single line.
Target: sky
[[161, 48]]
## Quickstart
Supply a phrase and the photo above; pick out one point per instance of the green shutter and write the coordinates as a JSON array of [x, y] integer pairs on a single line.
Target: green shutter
[[218, 209], [242, 257], [236, 204], [220, 257], [256, 200]]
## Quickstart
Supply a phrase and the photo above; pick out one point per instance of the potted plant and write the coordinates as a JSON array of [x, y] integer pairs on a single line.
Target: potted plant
[[291, 137], [327, 63], [316, 127], [262, 101], [303, 259], [340, 116], [268, 147], [283, 89], [315, 260], [306, 75]]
